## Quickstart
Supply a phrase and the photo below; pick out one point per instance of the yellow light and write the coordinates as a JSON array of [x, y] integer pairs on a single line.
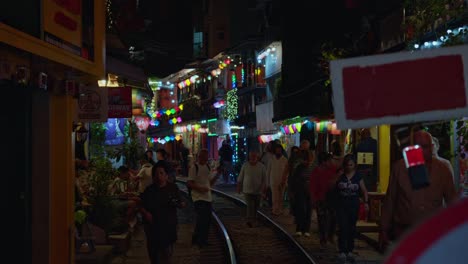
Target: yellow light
[[187, 82], [102, 83], [291, 130], [174, 120], [168, 112], [181, 107]]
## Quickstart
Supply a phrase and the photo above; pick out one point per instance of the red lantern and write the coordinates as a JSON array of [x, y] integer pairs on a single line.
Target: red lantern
[[142, 123]]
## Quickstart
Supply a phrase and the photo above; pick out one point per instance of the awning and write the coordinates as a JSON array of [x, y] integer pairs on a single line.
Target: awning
[[134, 76]]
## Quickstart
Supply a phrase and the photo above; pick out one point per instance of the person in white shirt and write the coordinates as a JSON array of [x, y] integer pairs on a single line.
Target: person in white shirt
[[200, 181], [276, 170], [252, 182], [435, 152], [144, 176]]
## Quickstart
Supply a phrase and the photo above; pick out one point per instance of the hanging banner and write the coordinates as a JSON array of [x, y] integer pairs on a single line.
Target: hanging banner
[[120, 102], [92, 104], [403, 87]]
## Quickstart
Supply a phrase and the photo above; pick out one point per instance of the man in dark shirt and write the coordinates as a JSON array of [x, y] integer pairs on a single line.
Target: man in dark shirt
[[368, 172], [159, 204], [225, 153], [183, 156]]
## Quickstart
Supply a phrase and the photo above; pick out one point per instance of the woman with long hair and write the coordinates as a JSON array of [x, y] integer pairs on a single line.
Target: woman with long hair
[[349, 186]]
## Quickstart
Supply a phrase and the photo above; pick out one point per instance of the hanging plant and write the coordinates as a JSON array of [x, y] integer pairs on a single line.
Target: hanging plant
[[97, 138], [329, 53]]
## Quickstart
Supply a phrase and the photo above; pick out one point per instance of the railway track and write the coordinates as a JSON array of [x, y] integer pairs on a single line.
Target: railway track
[[265, 243]]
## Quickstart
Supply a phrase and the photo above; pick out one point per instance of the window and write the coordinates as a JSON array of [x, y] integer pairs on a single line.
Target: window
[[198, 44]]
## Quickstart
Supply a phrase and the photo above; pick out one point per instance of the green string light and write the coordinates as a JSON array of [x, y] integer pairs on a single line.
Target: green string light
[[231, 107]]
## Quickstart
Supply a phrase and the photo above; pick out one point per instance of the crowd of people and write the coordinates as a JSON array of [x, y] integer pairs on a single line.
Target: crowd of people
[[336, 188], [324, 182]]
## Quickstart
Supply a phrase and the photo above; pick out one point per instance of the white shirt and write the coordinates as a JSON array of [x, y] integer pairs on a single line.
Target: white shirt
[[275, 170], [252, 177], [145, 176], [202, 178]]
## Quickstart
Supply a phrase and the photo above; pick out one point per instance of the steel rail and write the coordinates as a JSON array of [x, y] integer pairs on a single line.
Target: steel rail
[[272, 222], [222, 229]]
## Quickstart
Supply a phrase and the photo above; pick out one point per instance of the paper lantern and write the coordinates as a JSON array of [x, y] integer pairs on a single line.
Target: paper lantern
[[142, 122]]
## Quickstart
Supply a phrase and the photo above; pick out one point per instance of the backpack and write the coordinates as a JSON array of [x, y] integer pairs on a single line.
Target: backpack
[[189, 190]]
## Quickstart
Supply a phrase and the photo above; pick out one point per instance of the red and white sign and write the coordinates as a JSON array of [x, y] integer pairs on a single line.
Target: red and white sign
[[440, 239], [120, 102], [402, 87]]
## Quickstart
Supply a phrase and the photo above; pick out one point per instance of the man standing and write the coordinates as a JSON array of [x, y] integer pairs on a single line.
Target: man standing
[[276, 170], [368, 145], [436, 147], [225, 153], [200, 182], [183, 157], [404, 206], [252, 182], [149, 157]]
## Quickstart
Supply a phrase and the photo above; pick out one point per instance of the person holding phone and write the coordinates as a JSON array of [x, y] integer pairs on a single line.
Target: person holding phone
[[404, 205]]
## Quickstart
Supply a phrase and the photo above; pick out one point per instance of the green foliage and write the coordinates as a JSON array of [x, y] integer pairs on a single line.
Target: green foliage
[[97, 138], [462, 134], [101, 175], [131, 150], [329, 52], [423, 16]]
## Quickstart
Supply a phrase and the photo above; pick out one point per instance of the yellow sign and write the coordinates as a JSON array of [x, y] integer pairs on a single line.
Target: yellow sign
[[63, 23], [365, 158]]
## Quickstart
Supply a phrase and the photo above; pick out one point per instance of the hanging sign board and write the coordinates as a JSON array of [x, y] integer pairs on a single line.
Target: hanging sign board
[[120, 102], [92, 104], [365, 158], [401, 87]]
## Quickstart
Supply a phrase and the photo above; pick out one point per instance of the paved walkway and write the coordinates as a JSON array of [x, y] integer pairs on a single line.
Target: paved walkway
[[184, 253], [364, 251]]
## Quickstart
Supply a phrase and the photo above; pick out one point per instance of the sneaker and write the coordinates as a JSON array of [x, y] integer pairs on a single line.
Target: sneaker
[[342, 256], [307, 234], [351, 257], [298, 233]]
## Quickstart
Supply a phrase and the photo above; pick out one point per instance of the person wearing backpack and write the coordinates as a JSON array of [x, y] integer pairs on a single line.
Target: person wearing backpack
[[200, 181]]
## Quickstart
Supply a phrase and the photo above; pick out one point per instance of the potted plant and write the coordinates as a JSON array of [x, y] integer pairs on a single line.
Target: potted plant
[[100, 178], [131, 150]]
